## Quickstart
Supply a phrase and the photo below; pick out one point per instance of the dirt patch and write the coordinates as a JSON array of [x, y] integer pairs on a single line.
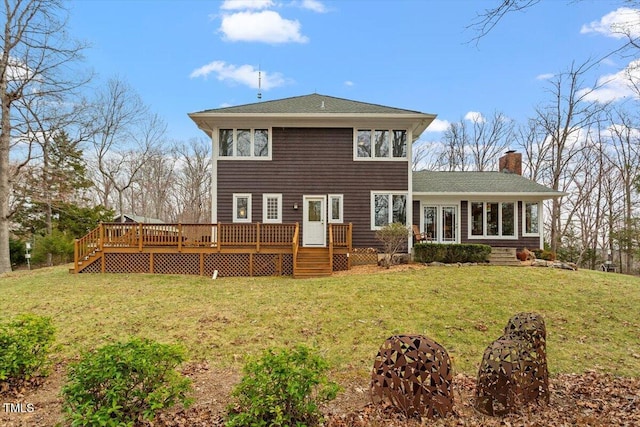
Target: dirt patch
[[590, 399]]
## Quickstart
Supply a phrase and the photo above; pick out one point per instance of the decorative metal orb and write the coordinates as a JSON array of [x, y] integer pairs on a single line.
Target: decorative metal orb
[[513, 371], [413, 374]]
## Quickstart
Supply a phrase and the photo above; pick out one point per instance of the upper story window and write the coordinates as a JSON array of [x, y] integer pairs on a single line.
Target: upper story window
[[380, 144], [244, 143]]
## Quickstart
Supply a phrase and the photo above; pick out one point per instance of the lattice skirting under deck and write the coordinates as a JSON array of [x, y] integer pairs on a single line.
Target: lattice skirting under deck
[[227, 265]]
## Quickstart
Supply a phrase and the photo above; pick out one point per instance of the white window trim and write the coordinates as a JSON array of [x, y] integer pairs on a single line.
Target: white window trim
[[439, 207], [524, 219], [237, 196], [484, 235], [387, 193], [234, 156], [265, 197], [388, 158], [340, 219]]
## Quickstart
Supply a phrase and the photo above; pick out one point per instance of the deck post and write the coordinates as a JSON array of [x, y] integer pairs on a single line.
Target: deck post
[[257, 237], [75, 255], [220, 234], [179, 237], [140, 237], [101, 238], [349, 245]]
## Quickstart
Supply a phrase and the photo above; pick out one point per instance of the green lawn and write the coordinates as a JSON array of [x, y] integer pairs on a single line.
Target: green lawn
[[592, 318]]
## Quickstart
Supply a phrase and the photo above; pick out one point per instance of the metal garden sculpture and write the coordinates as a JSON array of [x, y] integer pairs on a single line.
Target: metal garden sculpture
[[413, 374], [513, 371]]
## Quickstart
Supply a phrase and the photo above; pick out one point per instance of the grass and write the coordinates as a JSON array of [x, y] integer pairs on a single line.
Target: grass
[[591, 317]]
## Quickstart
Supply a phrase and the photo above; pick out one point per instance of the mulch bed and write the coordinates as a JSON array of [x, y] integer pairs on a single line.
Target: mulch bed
[[589, 399]]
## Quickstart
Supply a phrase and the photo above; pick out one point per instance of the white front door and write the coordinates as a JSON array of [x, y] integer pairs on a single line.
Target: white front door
[[314, 232]]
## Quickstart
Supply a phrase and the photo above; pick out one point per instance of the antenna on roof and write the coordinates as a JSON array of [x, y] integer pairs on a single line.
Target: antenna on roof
[[259, 83]]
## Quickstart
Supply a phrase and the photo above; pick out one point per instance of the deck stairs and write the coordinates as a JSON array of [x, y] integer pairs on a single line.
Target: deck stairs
[[89, 259], [312, 262], [504, 256]]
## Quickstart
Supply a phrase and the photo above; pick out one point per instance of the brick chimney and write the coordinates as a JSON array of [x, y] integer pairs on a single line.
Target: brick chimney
[[511, 162]]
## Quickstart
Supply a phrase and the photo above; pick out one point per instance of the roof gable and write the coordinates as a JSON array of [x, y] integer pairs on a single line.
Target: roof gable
[[311, 104]]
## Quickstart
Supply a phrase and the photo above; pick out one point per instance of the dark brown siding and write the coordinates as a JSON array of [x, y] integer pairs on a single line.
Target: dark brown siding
[[521, 242], [309, 161]]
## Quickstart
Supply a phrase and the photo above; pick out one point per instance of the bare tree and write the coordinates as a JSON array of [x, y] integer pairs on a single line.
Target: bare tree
[[193, 183], [564, 120], [125, 136], [475, 144], [36, 59]]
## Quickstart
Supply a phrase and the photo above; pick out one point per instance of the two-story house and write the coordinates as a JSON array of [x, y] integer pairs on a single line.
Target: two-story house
[[299, 184]]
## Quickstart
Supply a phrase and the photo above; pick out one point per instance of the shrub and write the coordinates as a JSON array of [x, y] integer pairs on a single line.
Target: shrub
[[25, 343], [282, 388], [394, 237], [17, 250], [450, 253], [122, 383], [58, 244], [545, 254]]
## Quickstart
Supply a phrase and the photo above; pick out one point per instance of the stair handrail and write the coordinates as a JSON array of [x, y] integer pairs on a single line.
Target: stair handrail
[[295, 245], [87, 244], [331, 247]]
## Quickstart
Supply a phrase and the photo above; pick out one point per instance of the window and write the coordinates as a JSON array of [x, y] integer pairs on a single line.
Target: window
[[492, 219], [335, 208], [531, 218], [243, 143], [440, 223], [380, 144], [272, 208], [387, 208], [242, 208]]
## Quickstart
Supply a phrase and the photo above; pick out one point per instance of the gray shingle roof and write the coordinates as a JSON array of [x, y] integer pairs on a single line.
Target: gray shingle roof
[[310, 104], [478, 183]]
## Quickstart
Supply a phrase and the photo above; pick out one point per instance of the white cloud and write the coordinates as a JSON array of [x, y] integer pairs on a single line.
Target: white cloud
[[438, 125], [474, 116], [266, 26], [349, 83], [545, 76], [314, 5], [616, 24], [612, 87], [246, 4], [245, 75]]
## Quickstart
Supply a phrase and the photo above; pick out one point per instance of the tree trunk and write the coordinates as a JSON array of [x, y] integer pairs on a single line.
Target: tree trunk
[[5, 188]]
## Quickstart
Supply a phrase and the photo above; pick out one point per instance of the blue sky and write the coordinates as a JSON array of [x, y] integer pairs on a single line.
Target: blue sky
[[186, 56]]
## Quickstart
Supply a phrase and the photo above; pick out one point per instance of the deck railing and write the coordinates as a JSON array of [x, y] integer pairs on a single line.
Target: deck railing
[[195, 235]]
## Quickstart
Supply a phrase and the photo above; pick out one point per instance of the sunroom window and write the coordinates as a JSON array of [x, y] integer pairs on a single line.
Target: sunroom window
[[387, 208], [531, 218], [492, 219], [243, 143], [381, 144]]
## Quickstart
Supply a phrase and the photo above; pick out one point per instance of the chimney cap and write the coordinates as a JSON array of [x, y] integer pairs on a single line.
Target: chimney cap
[[510, 151]]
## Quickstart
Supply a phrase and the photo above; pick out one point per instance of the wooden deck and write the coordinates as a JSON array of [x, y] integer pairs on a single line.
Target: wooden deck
[[210, 249]]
